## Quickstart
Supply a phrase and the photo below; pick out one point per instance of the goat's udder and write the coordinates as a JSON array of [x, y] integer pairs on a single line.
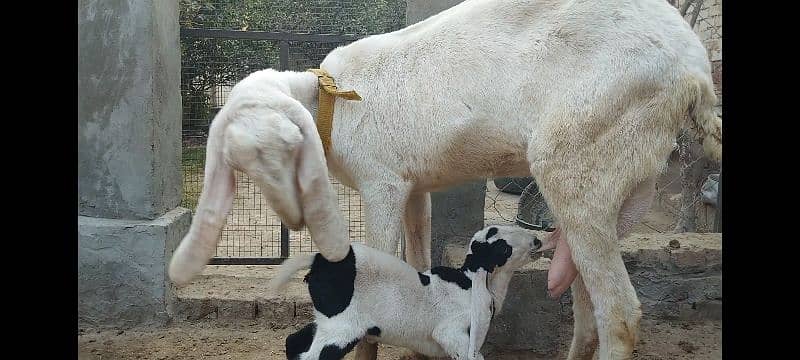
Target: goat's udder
[[562, 271]]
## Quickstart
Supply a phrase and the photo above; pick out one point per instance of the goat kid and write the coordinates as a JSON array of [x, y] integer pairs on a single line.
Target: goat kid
[[373, 296]]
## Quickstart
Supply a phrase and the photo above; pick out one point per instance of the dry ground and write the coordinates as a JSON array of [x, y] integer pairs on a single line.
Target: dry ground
[[659, 340]]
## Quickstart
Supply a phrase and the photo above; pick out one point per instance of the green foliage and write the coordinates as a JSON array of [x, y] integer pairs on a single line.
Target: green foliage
[[208, 63]]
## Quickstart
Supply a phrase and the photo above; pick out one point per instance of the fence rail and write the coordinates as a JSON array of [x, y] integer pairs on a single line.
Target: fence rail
[[267, 35]]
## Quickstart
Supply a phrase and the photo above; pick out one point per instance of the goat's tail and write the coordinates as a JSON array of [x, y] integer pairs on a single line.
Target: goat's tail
[[706, 122], [288, 268]]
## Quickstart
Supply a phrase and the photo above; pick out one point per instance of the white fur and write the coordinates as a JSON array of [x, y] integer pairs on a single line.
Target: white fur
[[439, 319], [587, 96]]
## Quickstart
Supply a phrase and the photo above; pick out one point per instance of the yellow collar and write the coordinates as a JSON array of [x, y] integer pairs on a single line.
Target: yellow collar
[[328, 92]]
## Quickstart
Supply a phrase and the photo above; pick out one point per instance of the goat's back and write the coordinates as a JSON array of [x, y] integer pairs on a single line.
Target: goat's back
[[466, 90]]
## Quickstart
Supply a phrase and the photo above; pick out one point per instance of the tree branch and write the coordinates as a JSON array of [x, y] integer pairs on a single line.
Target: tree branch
[[697, 6], [685, 7]]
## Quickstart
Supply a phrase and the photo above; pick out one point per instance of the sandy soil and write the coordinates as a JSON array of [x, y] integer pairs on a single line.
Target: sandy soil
[[659, 340]]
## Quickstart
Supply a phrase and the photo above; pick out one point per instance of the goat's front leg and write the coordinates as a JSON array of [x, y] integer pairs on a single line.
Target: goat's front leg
[[384, 206], [454, 339], [417, 221]]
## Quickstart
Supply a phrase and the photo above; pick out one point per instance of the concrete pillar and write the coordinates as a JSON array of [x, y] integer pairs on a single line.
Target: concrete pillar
[[456, 214], [129, 151]]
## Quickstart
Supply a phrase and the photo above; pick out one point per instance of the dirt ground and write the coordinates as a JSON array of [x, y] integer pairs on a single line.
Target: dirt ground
[[659, 340]]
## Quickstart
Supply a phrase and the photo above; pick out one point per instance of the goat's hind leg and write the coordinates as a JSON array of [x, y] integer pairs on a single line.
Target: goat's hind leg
[[589, 223], [586, 172], [586, 200], [584, 338]]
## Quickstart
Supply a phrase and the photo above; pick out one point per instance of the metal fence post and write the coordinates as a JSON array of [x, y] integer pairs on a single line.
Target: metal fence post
[[284, 55]]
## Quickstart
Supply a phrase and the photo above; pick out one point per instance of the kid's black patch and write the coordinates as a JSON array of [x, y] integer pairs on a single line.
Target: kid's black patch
[[424, 279], [334, 352], [492, 232], [374, 331], [452, 275], [331, 284], [300, 341], [487, 256]]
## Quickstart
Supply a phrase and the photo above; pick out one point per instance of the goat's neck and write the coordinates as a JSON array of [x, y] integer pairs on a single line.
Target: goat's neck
[[304, 87], [498, 282], [498, 286]]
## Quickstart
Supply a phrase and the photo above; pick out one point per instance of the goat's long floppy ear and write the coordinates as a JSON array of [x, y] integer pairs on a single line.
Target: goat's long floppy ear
[[327, 225], [312, 168], [216, 200], [480, 312]]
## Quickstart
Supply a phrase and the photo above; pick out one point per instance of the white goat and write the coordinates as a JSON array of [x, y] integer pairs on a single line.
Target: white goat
[[375, 296], [586, 96]]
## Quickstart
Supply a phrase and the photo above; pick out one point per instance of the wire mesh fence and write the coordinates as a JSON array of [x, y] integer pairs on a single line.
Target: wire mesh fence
[[295, 16]]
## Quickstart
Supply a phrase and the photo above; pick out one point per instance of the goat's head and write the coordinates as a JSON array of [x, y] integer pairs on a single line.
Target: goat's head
[[501, 248], [270, 136], [494, 253]]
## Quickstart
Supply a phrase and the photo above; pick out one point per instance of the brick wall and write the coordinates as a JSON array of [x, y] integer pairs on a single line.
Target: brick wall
[[709, 28]]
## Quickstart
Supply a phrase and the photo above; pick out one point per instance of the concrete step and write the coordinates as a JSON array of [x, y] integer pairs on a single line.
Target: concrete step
[[236, 293], [676, 276]]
